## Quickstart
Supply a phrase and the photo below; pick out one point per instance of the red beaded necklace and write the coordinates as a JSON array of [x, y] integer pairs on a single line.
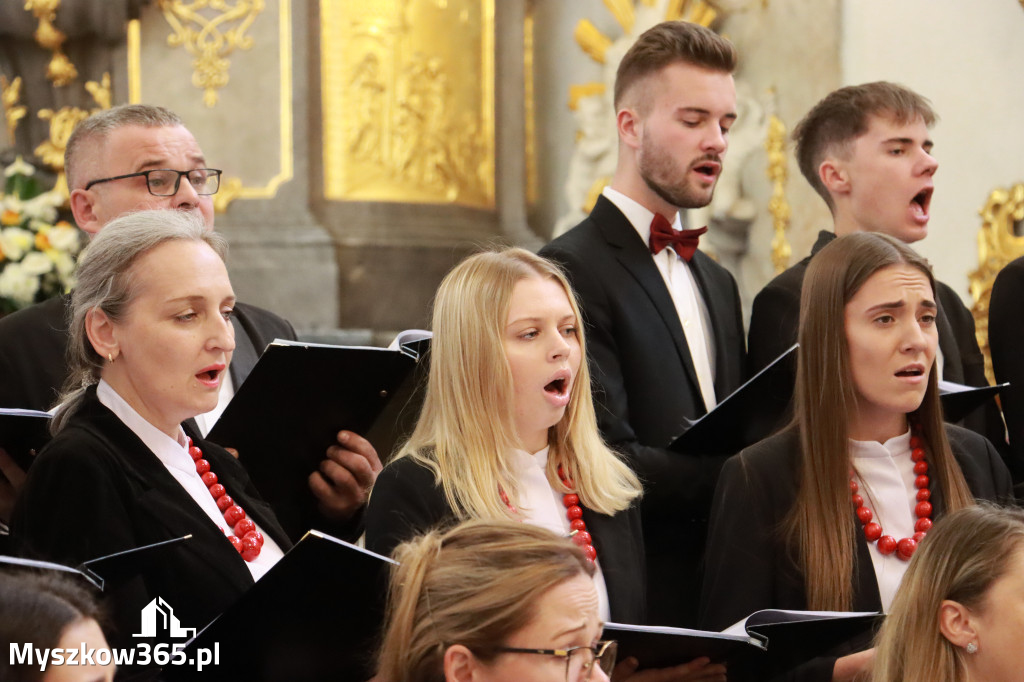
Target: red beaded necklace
[[246, 539], [887, 544], [573, 511]]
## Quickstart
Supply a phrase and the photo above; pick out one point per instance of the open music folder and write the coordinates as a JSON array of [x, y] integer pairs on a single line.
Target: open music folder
[[23, 433]]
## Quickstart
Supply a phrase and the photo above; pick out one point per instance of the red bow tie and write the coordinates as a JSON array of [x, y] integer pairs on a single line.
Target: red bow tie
[[683, 241]]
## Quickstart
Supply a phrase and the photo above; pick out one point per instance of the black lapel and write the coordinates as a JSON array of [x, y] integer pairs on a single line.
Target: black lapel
[[711, 292], [635, 257]]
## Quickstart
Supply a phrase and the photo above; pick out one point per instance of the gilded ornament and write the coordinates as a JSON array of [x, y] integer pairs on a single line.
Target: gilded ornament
[[60, 71], [998, 244], [778, 206], [210, 39], [10, 96]]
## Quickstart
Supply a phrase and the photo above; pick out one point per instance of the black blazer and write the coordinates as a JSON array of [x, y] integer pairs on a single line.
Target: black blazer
[[1005, 335], [748, 566], [646, 388], [775, 320], [407, 501], [96, 489], [33, 346]]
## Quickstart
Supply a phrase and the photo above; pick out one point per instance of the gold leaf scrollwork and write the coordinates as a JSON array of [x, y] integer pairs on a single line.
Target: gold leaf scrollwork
[[998, 244], [210, 40], [60, 71], [10, 97], [778, 206]]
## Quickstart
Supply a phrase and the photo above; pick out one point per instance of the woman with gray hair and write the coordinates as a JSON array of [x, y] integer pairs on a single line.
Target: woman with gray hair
[[150, 342]]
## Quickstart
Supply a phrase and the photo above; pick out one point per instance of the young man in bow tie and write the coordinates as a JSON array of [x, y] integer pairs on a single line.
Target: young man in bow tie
[[665, 329]]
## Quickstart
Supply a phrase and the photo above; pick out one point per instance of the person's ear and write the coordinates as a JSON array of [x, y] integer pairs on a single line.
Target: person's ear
[[956, 623], [629, 127], [83, 208], [835, 176], [100, 330], [460, 665]]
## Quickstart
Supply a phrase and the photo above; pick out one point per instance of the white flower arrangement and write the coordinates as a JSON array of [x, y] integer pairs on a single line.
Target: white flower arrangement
[[37, 251]]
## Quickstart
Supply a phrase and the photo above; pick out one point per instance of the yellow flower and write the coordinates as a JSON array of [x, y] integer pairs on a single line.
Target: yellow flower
[[42, 243], [10, 218]]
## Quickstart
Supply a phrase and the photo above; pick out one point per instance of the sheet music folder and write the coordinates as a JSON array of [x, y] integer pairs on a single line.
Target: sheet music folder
[[749, 414], [769, 640], [290, 408], [959, 400], [316, 615], [21, 432]]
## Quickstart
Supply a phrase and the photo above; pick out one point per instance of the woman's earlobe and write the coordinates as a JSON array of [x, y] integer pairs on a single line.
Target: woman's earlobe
[[100, 331], [956, 623]]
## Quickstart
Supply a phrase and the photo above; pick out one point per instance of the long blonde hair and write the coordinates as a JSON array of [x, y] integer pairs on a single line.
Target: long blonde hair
[[466, 433], [475, 585], [962, 556], [821, 527]]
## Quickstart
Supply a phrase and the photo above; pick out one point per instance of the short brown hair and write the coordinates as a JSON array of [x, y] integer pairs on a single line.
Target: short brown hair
[[844, 115], [670, 42], [102, 123]]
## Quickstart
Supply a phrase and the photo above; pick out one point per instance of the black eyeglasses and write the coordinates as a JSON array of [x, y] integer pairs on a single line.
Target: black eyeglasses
[[579, 660], [164, 182]]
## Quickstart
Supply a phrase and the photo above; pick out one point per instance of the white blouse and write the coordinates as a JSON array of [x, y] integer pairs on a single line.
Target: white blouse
[[885, 474], [541, 505], [173, 453]]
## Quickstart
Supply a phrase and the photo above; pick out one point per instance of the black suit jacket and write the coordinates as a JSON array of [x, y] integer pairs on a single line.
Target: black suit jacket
[[96, 489], [1005, 336], [748, 566], [33, 347], [775, 320], [646, 388], [407, 501]]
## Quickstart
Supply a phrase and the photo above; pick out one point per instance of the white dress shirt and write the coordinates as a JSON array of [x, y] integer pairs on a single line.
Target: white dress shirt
[[885, 474], [541, 505], [173, 453], [686, 296]]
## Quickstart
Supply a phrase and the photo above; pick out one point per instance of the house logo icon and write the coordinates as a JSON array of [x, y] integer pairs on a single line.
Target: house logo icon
[[158, 618]]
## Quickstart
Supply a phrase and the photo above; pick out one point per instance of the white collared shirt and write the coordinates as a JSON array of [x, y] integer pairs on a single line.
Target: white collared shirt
[[885, 474], [541, 505], [173, 454], [686, 296]]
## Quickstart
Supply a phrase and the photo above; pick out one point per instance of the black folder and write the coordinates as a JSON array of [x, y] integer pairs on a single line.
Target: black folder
[[292, 405], [22, 432], [767, 641], [958, 400], [749, 414], [316, 615]]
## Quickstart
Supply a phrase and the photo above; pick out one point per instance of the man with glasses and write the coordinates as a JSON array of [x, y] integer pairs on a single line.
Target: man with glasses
[[129, 158]]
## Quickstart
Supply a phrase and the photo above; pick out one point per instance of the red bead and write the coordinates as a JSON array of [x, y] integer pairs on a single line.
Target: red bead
[[921, 482], [872, 532], [195, 453], [225, 501], [582, 538], [217, 490], [853, 486], [858, 501], [923, 509], [577, 524], [209, 478], [864, 514], [917, 454], [244, 527], [906, 548], [916, 442], [590, 552], [921, 468], [236, 543], [258, 536], [202, 466], [571, 500], [919, 536], [924, 494], [574, 512], [234, 514], [886, 545], [923, 525], [250, 549]]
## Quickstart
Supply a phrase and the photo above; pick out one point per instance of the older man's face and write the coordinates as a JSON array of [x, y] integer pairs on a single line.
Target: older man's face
[[132, 149]]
